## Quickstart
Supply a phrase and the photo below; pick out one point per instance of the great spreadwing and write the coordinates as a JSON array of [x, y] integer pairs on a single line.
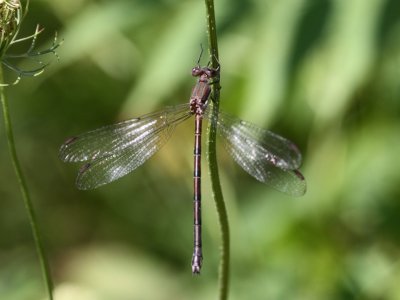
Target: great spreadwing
[[113, 151]]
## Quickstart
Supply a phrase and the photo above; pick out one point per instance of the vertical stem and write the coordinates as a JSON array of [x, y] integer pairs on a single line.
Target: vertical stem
[[212, 34], [212, 156], [24, 191]]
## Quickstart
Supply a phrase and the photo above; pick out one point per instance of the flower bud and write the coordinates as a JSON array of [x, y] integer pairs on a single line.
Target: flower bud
[[10, 21]]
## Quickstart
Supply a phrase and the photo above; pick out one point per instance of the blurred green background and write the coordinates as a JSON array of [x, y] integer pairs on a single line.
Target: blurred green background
[[325, 74]]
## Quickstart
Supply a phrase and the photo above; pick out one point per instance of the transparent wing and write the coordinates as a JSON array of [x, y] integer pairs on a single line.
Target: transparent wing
[[114, 151], [263, 154], [112, 139]]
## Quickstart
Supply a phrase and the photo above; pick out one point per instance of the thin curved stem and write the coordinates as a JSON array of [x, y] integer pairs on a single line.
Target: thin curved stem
[[25, 193], [212, 157]]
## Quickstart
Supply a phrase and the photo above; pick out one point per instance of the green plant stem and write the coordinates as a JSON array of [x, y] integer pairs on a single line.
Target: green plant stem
[[212, 157], [25, 193]]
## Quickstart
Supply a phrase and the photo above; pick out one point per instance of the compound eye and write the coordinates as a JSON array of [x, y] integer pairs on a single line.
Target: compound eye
[[196, 71]]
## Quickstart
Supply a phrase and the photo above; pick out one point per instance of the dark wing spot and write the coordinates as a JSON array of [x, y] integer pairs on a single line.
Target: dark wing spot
[[298, 174], [84, 168], [70, 140]]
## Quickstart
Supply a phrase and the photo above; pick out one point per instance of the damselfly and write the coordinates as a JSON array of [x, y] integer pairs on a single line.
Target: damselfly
[[113, 151]]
